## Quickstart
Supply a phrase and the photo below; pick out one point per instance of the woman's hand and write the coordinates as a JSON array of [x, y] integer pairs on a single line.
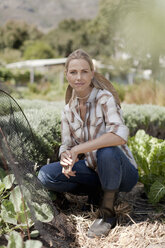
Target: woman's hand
[[68, 159]]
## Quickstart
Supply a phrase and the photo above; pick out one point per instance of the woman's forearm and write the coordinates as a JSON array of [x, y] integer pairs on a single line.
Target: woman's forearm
[[105, 140]]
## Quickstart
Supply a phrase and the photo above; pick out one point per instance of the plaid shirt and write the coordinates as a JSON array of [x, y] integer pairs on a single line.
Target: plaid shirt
[[103, 115]]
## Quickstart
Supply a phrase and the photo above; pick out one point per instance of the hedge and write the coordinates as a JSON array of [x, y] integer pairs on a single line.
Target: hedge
[[150, 118], [44, 118]]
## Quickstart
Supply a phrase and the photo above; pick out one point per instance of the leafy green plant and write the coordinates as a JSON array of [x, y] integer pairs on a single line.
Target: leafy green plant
[[14, 211], [23, 77], [121, 90], [150, 118], [38, 50], [149, 153], [15, 240], [5, 74]]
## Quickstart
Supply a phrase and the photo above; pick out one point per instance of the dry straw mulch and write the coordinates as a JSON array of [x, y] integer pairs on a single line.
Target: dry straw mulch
[[140, 225]]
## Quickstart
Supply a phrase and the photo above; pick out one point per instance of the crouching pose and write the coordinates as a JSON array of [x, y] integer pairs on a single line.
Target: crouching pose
[[93, 153]]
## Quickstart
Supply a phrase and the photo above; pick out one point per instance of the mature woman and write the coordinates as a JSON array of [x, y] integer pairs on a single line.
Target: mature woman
[[93, 153]]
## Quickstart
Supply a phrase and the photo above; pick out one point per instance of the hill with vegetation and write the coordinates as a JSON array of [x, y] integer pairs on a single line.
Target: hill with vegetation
[[47, 14]]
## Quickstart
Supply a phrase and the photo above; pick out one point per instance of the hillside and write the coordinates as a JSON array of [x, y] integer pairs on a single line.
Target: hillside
[[46, 14]]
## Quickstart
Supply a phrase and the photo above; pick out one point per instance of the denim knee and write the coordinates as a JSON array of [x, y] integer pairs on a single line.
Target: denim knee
[[108, 153], [115, 170], [43, 177], [109, 167]]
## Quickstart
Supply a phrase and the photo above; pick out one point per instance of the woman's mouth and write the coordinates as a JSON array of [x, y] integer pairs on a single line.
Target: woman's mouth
[[79, 84]]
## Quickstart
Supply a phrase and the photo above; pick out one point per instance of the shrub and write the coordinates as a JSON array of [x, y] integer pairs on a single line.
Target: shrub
[[150, 118], [44, 118], [20, 77], [5, 74], [149, 153], [46, 126], [46, 91], [9, 55], [23, 77], [38, 50], [121, 90]]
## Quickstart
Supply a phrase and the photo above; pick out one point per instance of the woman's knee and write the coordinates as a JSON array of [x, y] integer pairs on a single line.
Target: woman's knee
[[42, 176], [107, 153], [48, 173]]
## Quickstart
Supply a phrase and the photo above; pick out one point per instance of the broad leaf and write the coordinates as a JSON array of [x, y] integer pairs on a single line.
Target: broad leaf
[[24, 219], [34, 234], [16, 198], [7, 212], [157, 192], [15, 240], [43, 212], [8, 181], [33, 244]]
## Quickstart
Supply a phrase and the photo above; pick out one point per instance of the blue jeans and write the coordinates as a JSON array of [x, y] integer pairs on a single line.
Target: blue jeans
[[114, 172]]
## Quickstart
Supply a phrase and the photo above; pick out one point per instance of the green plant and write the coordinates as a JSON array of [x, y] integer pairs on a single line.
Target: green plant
[[121, 90], [15, 240], [5, 74], [38, 50], [10, 55], [14, 211], [150, 118], [22, 77], [47, 130], [149, 153]]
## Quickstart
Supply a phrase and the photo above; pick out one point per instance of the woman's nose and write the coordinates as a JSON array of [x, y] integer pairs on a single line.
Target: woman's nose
[[78, 76]]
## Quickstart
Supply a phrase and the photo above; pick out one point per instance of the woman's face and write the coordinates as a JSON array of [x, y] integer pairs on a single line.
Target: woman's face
[[79, 76]]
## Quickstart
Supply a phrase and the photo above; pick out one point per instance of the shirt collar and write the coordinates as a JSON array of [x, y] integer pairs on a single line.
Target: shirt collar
[[93, 94]]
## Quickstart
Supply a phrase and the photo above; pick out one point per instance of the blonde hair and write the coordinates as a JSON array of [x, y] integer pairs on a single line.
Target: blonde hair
[[98, 81], [79, 54]]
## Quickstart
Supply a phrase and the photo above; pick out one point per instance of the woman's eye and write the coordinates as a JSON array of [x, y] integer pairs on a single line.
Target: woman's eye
[[72, 72]]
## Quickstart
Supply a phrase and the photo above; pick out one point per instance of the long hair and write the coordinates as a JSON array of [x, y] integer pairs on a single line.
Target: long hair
[[98, 81]]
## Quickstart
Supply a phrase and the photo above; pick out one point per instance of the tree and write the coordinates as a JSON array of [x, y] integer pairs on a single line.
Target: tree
[[104, 29], [38, 50], [69, 35], [15, 33]]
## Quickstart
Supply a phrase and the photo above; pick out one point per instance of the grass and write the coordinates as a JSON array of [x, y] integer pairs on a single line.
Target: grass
[[146, 92]]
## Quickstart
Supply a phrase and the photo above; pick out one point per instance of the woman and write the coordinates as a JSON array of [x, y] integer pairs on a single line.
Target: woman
[[93, 151]]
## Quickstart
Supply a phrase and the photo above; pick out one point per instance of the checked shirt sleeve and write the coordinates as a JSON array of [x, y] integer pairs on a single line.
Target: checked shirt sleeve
[[113, 118]]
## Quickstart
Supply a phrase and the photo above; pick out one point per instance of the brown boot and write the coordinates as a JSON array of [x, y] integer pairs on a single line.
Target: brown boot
[[107, 218]]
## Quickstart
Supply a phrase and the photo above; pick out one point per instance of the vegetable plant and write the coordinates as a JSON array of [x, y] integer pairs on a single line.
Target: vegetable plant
[[149, 153]]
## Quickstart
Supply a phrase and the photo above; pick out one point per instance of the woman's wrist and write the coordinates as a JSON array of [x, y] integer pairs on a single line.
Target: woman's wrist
[[75, 150]]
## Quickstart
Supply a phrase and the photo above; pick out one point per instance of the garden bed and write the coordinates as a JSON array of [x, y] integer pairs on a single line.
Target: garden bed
[[140, 224]]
